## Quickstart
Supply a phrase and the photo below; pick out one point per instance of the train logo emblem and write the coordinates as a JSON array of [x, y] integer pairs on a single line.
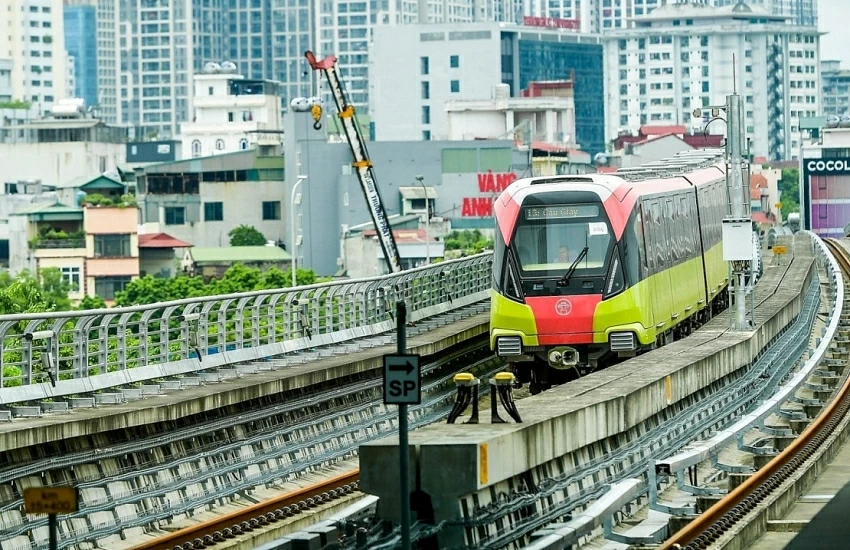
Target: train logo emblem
[[563, 307]]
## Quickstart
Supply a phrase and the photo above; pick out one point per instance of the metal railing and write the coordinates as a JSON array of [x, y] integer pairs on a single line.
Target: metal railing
[[47, 355]]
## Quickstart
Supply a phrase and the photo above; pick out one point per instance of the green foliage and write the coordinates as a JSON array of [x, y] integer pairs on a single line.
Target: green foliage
[[26, 294], [246, 235], [91, 302], [15, 104], [96, 199], [789, 191], [469, 242], [238, 278]]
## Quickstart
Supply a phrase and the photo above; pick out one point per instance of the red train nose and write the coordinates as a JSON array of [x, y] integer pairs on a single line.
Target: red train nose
[[564, 319]]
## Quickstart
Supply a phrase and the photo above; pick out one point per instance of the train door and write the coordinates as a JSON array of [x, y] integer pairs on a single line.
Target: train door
[[662, 304]]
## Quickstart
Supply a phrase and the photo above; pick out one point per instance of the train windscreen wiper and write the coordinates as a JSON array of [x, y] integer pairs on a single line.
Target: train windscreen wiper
[[565, 280]]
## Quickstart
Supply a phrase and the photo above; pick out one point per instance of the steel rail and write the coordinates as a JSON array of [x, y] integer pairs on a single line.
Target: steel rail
[[257, 515], [732, 508]]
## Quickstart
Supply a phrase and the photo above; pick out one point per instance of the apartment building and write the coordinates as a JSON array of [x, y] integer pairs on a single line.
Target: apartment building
[[31, 38], [680, 56]]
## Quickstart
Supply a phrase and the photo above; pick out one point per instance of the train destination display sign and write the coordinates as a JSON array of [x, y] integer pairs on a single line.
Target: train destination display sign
[[561, 212]]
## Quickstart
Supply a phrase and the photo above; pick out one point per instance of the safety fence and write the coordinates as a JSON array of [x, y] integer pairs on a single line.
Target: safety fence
[[47, 355]]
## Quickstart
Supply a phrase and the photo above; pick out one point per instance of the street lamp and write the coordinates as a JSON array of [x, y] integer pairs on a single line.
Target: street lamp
[[292, 227], [421, 181]]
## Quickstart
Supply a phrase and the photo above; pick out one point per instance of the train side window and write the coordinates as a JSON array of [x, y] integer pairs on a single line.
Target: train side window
[[686, 226], [649, 236], [661, 239], [671, 220], [641, 241]]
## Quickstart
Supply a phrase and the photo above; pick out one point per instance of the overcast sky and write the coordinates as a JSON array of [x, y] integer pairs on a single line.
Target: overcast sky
[[833, 16]]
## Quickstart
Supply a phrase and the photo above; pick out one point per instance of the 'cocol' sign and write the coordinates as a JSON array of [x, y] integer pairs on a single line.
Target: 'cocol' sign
[[827, 166]]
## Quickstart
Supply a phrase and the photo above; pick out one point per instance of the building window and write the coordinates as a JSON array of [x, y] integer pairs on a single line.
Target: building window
[[210, 90], [213, 211], [454, 61], [426, 90], [196, 148], [426, 114], [219, 145], [426, 135], [108, 287], [111, 246], [271, 210], [175, 215], [455, 86], [243, 144], [423, 65], [71, 275]]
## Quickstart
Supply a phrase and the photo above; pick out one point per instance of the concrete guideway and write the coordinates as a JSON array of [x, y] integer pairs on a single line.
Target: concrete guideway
[[465, 468], [234, 392], [163, 476]]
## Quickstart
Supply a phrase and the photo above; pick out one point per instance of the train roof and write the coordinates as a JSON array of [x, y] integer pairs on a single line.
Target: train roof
[[680, 164]]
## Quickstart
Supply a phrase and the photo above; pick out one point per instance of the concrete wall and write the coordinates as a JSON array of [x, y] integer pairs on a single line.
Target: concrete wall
[[332, 195], [152, 261], [242, 204], [57, 163]]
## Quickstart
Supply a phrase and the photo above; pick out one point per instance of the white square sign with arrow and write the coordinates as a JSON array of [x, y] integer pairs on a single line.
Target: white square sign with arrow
[[402, 380]]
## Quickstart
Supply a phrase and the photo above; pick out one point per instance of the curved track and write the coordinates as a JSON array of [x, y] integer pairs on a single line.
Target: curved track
[[731, 510]]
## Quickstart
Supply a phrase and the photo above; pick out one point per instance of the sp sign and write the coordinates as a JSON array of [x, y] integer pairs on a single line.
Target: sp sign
[[402, 380]]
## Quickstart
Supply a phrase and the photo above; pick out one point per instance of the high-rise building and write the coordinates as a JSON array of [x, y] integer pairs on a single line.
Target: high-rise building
[[31, 37], [161, 46], [415, 69], [836, 88], [108, 67], [81, 43], [680, 57]]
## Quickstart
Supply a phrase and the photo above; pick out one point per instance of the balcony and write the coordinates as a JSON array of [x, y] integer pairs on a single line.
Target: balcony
[[59, 243]]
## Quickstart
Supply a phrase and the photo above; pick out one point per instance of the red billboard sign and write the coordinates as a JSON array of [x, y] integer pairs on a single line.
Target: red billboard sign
[[489, 185], [551, 22]]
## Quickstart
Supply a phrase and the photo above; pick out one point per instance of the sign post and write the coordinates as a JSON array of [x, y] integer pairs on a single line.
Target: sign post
[[403, 387], [51, 501]]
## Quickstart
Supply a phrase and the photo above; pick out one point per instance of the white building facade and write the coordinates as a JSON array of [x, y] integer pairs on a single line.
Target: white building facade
[[31, 37], [549, 119], [411, 81], [230, 113], [680, 58]]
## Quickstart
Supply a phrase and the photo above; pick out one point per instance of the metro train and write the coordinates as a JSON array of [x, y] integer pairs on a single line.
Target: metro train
[[590, 269]]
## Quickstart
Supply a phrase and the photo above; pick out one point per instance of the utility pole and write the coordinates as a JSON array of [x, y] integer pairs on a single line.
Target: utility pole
[[421, 180], [737, 225], [737, 228]]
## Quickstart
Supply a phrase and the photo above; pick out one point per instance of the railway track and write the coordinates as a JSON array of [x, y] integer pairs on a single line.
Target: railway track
[[341, 439], [737, 509]]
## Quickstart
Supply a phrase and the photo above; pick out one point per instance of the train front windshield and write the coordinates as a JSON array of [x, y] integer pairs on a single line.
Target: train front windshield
[[550, 238]]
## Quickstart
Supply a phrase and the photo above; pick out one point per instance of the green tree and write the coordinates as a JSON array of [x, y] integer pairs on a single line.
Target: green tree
[[789, 191], [469, 242], [246, 235], [238, 278], [26, 294], [91, 302]]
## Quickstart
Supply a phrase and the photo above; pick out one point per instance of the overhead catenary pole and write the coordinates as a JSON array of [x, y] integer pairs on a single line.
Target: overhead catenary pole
[[738, 218]]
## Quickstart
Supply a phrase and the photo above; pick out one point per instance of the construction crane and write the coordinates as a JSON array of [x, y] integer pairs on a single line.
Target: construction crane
[[362, 164]]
